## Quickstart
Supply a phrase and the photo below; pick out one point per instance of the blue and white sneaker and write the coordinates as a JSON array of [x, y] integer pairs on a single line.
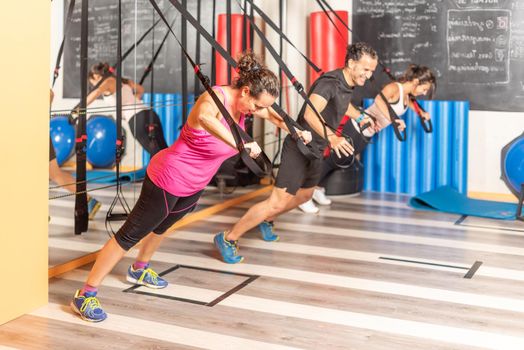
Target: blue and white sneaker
[[145, 277], [266, 229], [88, 307], [92, 207], [227, 249]]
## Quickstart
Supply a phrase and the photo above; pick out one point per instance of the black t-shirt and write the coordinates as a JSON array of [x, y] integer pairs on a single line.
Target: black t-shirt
[[333, 87]]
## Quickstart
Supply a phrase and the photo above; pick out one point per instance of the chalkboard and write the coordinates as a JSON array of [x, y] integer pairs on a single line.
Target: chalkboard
[[476, 47], [103, 26]]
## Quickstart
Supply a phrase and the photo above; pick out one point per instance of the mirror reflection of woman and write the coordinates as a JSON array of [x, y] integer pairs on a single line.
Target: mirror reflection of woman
[[134, 111]]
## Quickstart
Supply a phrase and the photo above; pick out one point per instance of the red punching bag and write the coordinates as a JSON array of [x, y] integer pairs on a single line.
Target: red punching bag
[[237, 32], [327, 47]]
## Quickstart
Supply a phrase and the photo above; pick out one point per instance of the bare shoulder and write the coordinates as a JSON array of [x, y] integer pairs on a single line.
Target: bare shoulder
[[391, 91]]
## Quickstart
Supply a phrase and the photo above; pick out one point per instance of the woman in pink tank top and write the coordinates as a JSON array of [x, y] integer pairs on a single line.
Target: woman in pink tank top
[[177, 175]]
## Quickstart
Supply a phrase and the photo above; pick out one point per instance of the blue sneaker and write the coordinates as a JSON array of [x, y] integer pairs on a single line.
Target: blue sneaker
[[145, 277], [88, 307], [92, 207], [228, 249], [268, 235]]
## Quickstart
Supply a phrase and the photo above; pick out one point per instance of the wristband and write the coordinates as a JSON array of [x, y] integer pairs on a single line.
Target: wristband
[[360, 118]]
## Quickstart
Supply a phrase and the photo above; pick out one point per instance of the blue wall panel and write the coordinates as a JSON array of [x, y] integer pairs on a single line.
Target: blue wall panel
[[425, 161], [169, 109]]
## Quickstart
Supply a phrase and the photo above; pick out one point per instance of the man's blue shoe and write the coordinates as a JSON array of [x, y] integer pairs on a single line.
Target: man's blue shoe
[[268, 235], [145, 277], [228, 249], [92, 207], [88, 307]]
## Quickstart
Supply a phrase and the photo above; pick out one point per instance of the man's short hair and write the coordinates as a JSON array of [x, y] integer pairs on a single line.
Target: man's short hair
[[357, 50]]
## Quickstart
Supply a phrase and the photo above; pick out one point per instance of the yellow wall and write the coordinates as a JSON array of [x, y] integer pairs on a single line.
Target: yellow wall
[[24, 142]]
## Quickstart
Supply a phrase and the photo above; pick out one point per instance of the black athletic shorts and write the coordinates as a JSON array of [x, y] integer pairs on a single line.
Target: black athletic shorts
[[155, 211], [296, 171]]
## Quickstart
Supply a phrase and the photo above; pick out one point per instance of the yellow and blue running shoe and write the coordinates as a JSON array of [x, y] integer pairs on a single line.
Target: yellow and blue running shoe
[[88, 307], [92, 207], [266, 229], [145, 277], [228, 249]]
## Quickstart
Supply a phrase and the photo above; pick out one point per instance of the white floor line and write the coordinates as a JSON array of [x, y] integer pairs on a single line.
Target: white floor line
[[370, 201], [156, 330], [439, 242], [393, 219], [283, 247], [396, 326], [465, 298]]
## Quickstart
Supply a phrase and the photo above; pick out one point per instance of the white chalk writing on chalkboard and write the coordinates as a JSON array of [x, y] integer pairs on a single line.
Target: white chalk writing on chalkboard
[[478, 41], [476, 47]]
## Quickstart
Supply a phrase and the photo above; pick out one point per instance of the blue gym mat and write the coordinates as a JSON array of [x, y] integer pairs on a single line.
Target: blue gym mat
[[449, 200], [104, 176]]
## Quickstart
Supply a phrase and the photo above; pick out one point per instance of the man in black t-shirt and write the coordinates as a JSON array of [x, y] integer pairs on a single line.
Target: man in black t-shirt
[[298, 175]]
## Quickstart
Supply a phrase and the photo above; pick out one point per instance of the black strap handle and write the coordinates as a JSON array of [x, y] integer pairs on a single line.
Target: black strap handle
[[427, 125]]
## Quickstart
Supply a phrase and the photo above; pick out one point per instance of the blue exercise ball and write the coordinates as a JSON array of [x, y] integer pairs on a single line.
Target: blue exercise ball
[[101, 141], [63, 137], [512, 159]]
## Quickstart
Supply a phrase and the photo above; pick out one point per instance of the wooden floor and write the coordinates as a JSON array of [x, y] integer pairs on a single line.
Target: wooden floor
[[366, 273]]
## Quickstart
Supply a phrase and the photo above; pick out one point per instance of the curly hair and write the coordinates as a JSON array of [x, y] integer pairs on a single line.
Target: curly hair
[[253, 74]]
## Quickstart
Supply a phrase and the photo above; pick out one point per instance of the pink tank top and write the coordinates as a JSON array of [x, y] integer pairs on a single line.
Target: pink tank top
[[188, 165]]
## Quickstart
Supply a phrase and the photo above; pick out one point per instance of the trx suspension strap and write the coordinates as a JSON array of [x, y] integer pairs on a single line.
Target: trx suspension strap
[[184, 67], [427, 127], [139, 41], [244, 30], [261, 166], [151, 121], [81, 212], [196, 88], [275, 27], [67, 27], [280, 73], [213, 53], [119, 197], [149, 67]]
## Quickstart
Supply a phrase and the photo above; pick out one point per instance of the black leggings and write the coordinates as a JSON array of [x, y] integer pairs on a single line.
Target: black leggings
[[141, 132], [155, 211]]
